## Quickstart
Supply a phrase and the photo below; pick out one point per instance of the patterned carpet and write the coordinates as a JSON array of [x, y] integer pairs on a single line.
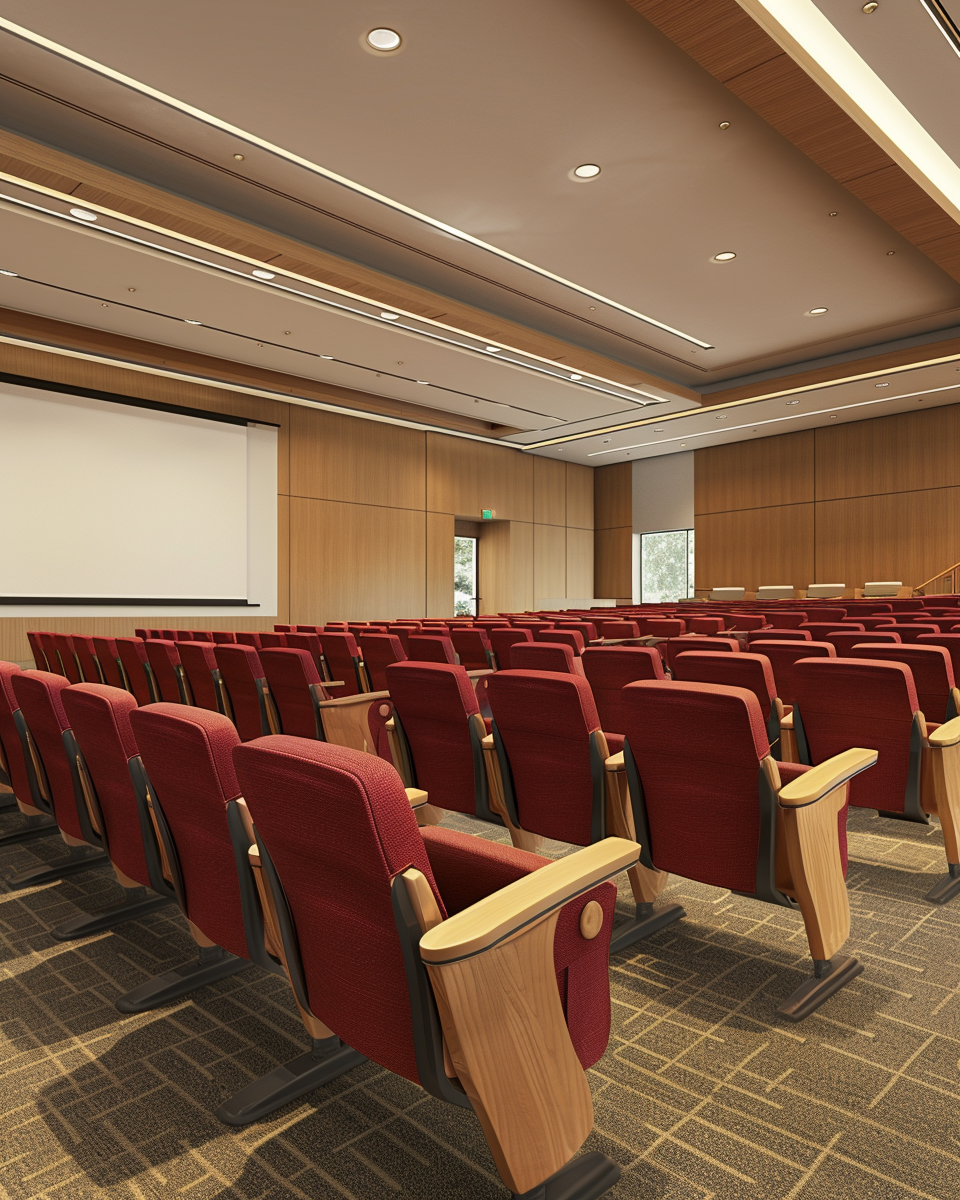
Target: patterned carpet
[[704, 1092]]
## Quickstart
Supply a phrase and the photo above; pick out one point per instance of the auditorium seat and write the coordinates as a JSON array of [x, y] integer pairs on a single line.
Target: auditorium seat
[[137, 675], [42, 726], [565, 637], [608, 669], [428, 647], [844, 642], [69, 664], [829, 613], [224, 637], [403, 633], [750, 671], [910, 631], [343, 659], [873, 703], [785, 620], [108, 656], [818, 630], [168, 675], [203, 681], [17, 768], [201, 635], [545, 656], [778, 635], [744, 622], [250, 705], [404, 904], [586, 629], [782, 656], [501, 640], [378, 650], [949, 641], [868, 622], [39, 658], [49, 647], [664, 627], [618, 630], [297, 690], [473, 648], [716, 808], [248, 637], [711, 626], [683, 645], [932, 672], [86, 655], [272, 639], [549, 768]]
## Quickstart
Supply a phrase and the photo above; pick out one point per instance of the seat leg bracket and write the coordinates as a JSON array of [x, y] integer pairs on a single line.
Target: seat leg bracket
[[137, 903], [213, 964], [81, 858], [583, 1178], [32, 828], [649, 920], [948, 887], [829, 977]]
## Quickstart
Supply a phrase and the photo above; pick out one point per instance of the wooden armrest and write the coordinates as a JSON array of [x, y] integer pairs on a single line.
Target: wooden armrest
[[786, 721], [816, 783], [615, 762], [479, 671], [390, 726], [947, 735], [359, 698], [486, 743], [416, 796], [520, 904], [329, 683]]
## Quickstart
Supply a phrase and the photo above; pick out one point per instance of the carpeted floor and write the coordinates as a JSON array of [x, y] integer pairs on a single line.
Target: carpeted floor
[[704, 1092]]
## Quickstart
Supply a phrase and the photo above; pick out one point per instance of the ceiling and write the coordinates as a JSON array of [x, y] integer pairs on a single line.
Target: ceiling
[[445, 167]]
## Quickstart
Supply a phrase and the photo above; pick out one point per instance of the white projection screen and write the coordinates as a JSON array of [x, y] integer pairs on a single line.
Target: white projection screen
[[106, 501]]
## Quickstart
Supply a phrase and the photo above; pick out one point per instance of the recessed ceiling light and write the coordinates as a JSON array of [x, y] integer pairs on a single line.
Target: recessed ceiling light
[[724, 256], [891, 253], [390, 316], [492, 349], [658, 429], [723, 418], [131, 289], [383, 40], [871, 7], [263, 274], [793, 401], [586, 171], [832, 214], [189, 322], [12, 274], [238, 157], [724, 124], [881, 385], [683, 445], [83, 214], [575, 377], [833, 418], [104, 304], [816, 312]]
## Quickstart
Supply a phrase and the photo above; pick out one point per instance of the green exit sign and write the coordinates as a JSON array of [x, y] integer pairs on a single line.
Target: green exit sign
[[487, 514]]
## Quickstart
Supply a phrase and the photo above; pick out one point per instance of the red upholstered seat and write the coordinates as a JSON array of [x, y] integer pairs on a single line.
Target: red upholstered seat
[[750, 671], [778, 635], [586, 629], [781, 619], [782, 656], [272, 639], [63, 645], [545, 656], [665, 627], [164, 660], [311, 643], [247, 637], [403, 633], [618, 630], [19, 772], [503, 639], [818, 630], [912, 631], [473, 648], [132, 653], [683, 645], [86, 653], [245, 684], [39, 658], [532, 623], [343, 658], [843, 643], [828, 612], [49, 647], [378, 650], [429, 647], [564, 637], [224, 637], [186, 753], [168, 635], [932, 673], [746, 621], [609, 669], [711, 626], [868, 622], [108, 656], [296, 688], [199, 662], [846, 702], [949, 641]]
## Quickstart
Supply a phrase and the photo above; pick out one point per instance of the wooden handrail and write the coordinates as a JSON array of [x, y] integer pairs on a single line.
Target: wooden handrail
[[939, 575]]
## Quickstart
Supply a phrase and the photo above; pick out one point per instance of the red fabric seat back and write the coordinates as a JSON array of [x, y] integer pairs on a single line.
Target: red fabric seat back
[[86, 654], [472, 647], [168, 635], [545, 656], [201, 635], [224, 637], [240, 667], [843, 643], [545, 721], [750, 671], [781, 619], [818, 630], [683, 645], [333, 626], [910, 632], [949, 641], [434, 702], [289, 674], [532, 623], [586, 629], [100, 719], [247, 637], [107, 655], [379, 650], [273, 639], [745, 621], [608, 669], [566, 637], [930, 667], [133, 654], [38, 697], [49, 646], [847, 702], [427, 647], [619, 629], [778, 635], [199, 661], [665, 627], [164, 658], [187, 754], [309, 642], [869, 622], [39, 658], [10, 738], [437, 630], [403, 633], [832, 613], [64, 646], [711, 626], [503, 639], [341, 652], [698, 749], [489, 623], [782, 656], [338, 826]]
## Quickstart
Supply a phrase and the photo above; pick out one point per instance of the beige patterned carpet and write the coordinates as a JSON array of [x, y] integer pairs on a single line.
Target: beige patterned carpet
[[704, 1092]]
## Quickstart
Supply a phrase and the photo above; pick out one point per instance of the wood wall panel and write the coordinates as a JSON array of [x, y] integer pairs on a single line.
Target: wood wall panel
[[549, 563], [613, 563], [767, 471], [613, 496], [579, 564], [549, 491], [355, 561], [331, 459], [900, 453], [439, 564], [464, 477], [755, 546], [580, 496]]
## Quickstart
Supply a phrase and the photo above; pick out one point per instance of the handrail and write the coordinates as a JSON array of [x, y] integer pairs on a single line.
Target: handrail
[[939, 575]]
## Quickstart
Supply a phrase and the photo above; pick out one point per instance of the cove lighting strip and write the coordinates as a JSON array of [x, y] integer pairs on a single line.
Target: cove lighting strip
[[813, 42], [251, 139], [330, 297]]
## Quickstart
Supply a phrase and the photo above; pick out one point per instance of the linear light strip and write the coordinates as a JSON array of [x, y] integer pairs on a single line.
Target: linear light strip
[[732, 404], [944, 23], [551, 371], [198, 114], [688, 437]]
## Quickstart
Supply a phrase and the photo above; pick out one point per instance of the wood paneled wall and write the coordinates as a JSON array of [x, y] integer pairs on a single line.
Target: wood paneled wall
[[367, 513], [613, 531], [877, 499]]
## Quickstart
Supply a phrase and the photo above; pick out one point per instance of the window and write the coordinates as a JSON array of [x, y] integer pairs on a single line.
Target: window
[[666, 566], [464, 576]]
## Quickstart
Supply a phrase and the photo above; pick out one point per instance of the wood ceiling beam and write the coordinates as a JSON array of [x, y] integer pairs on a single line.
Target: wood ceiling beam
[[728, 43]]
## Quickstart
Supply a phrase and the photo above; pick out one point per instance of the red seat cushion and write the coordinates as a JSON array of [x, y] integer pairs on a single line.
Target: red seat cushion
[[609, 669]]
